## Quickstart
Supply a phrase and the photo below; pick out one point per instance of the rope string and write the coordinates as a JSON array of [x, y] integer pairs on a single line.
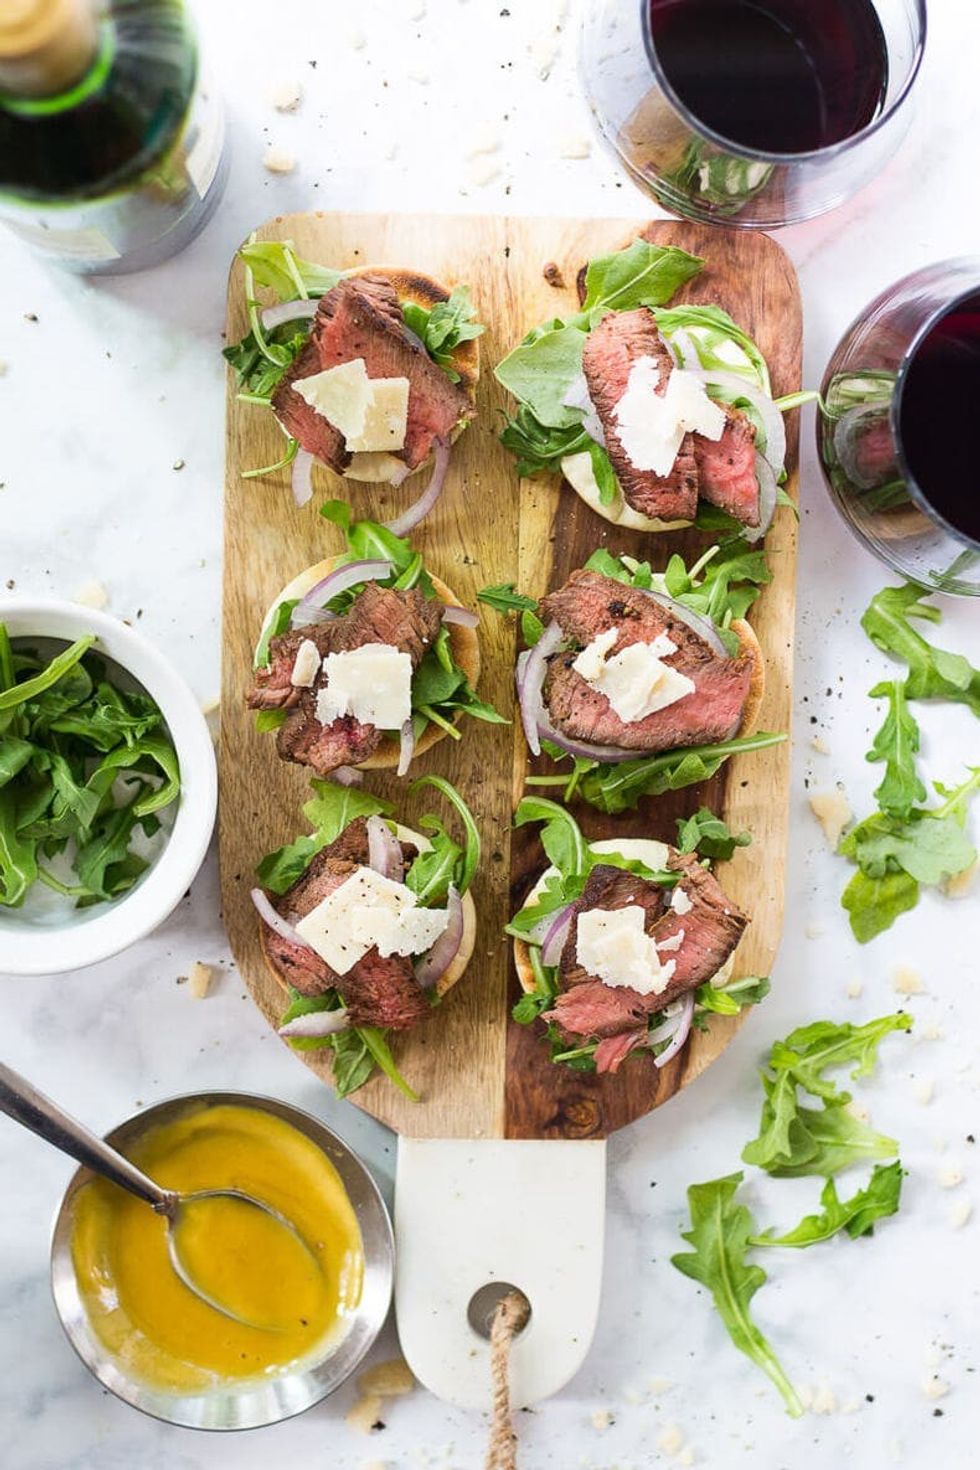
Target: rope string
[[510, 1316]]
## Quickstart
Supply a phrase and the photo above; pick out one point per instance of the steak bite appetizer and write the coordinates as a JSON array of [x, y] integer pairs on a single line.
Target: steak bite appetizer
[[646, 680], [366, 924], [657, 417], [371, 371], [620, 945], [365, 660]]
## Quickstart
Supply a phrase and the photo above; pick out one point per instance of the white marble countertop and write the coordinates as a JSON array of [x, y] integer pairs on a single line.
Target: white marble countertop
[[112, 384]]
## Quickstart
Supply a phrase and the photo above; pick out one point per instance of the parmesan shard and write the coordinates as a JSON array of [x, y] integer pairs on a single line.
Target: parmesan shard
[[199, 980], [613, 945], [306, 665], [833, 811], [373, 683]]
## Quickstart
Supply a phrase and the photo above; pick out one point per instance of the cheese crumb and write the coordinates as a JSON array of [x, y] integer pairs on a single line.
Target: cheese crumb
[[211, 706], [601, 1419], [930, 1031], [924, 1090], [686, 1456], [356, 39], [391, 1379], [960, 1214], [92, 594], [819, 744], [855, 989], [960, 884], [850, 1406], [483, 170], [306, 665], [483, 142], [286, 94], [417, 11], [824, 1400], [951, 1177], [661, 1385], [833, 811], [907, 981], [576, 146], [814, 930], [199, 980], [363, 1415], [374, 1465], [935, 1387], [671, 1441], [279, 160]]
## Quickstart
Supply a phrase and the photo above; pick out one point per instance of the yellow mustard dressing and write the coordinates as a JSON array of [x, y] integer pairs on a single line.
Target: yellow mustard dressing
[[302, 1293]]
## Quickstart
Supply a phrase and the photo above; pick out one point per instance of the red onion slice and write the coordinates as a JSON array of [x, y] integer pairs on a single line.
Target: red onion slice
[[302, 476], [461, 616], [433, 966], [681, 1032], [530, 678], [384, 849], [697, 623], [556, 935], [347, 776], [608, 754], [335, 582], [316, 1023], [406, 522], [271, 916], [772, 419], [768, 498], [288, 311], [406, 747]]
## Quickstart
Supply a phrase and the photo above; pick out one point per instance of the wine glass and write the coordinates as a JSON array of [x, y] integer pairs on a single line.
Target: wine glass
[[895, 428], [747, 113]]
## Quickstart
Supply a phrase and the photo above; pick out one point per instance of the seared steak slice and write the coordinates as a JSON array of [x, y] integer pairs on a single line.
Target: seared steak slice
[[408, 621], [609, 888], [362, 317], [711, 929], [726, 467], [274, 687], [612, 1051], [378, 991], [590, 604], [611, 349], [304, 740]]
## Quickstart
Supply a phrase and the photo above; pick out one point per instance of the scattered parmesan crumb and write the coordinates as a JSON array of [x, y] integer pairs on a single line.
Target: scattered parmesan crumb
[[286, 94], [279, 160], [199, 980], [814, 929], [601, 1419], [930, 1031], [805, 1394], [3, 369], [661, 1385], [833, 811], [951, 1177], [819, 744], [417, 11], [850, 1406], [924, 1090], [356, 39], [482, 171], [855, 989], [486, 141], [391, 151], [824, 1400], [422, 78], [374, 1465], [857, 1110], [671, 1441], [934, 1355], [935, 1387], [363, 1415], [960, 884], [686, 1456], [940, 1145], [387, 1380], [577, 145], [960, 1214], [907, 981], [92, 594]]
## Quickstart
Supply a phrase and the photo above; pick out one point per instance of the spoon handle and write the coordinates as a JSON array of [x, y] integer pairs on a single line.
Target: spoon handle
[[22, 1102]]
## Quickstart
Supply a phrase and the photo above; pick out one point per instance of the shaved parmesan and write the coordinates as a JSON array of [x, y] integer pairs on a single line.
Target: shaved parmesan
[[306, 665], [833, 811], [652, 425], [371, 413], [369, 911], [680, 902], [636, 681], [373, 683], [613, 945]]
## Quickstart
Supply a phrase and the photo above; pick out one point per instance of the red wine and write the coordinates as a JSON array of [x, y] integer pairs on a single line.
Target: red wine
[[781, 76], [937, 416]]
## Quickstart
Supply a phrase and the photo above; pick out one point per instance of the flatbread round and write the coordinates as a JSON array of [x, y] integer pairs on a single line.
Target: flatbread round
[[578, 471], [464, 643], [745, 634], [463, 955]]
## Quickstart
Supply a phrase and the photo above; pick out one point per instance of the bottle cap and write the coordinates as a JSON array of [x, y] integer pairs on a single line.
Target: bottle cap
[[45, 45]]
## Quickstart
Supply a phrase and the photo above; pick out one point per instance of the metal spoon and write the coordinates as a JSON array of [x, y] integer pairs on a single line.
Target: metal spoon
[[22, 1102]]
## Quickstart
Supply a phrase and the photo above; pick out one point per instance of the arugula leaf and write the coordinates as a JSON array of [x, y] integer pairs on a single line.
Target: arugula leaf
[[874, 904], [731, 999], [18, 856], [856, 1216], [721, 1232], [540, 374], [466, 861], [259, 366], [710, 329], [933, 672], [14, 756], [561, 836], [277, 624], [443, 328], [810, 1051], [641, 275], [28, 689], [274, 263], [539, 449], [356, 1051], [708, 835], [103, 862], [897, 744], [503, 599], [329, 812]]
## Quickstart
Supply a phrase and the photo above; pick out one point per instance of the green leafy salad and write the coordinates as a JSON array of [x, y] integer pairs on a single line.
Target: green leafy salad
[[719, 588], [439, 875], [441, 691], [572, 858], [87, 770]]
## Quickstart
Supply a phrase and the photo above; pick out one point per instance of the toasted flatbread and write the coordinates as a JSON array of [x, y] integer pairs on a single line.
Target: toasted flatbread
[[463, 641]]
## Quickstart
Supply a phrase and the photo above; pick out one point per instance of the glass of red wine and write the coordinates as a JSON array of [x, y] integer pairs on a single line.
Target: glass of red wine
[[900, 401], [757, 113]]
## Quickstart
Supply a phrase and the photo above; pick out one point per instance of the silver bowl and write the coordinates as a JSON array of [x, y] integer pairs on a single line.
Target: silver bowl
[[253, 1403]]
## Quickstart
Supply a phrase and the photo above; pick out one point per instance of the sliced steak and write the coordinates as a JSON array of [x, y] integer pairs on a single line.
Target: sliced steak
[[612, 1051], [362, 317], [345, 742], [611, 349], [274, 687], [726, 467], [378, 991], [408, 621], [609, 888], [590, 604]]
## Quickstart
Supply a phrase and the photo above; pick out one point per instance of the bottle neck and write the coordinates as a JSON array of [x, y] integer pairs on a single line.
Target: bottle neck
[[46, 47]]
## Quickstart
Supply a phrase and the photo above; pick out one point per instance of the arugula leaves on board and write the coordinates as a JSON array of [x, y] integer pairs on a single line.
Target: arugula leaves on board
[[356, 1051], [444, 327], [709, 836]]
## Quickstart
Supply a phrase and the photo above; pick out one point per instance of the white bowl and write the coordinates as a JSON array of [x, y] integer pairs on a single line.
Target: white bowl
[[72, 938]]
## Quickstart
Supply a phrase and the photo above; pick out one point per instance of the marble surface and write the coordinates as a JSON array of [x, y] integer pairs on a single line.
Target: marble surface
[[117, 381]]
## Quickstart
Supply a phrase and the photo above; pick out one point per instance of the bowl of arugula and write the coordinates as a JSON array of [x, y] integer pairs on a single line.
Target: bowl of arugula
[[108, 786]]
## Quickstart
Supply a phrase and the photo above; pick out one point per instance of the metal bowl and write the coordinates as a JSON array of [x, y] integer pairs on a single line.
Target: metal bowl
[[252, 1403]]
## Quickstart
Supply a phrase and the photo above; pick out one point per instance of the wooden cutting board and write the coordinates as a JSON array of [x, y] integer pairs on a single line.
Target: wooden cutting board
[[478, 1074]]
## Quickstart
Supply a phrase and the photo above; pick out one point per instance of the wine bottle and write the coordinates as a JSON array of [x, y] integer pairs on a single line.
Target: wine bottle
[[111, 145]]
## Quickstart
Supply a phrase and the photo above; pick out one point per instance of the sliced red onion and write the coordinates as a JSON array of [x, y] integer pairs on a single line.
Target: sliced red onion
[[578, 396], [406, 747], [406, 522], [433, 966], [772, 419], [316, 1023], [399, 473], [556, 934], [768, 498], [682, 342], [608, 754], [530, 678], [302, 476], [271, 916], [681, 1032], [699, 624], [309, 616], [288, 311], [462, 616], [335, 582], [384, 849], [347, 776]]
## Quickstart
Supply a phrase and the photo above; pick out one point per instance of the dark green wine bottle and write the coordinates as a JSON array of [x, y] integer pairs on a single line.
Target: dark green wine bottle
[[111, 146]]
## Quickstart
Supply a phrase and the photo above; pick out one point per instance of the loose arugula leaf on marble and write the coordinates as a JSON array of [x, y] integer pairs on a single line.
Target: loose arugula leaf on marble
[[856, 1216], [897, 744], [934, 673], [721, 1233], [809, 1052]]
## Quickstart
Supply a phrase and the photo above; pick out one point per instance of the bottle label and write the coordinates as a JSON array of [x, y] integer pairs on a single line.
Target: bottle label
[[206, 140], [81, 244]]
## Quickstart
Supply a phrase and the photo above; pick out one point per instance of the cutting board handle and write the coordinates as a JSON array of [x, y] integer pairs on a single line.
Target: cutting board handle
[[469, 1213]]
